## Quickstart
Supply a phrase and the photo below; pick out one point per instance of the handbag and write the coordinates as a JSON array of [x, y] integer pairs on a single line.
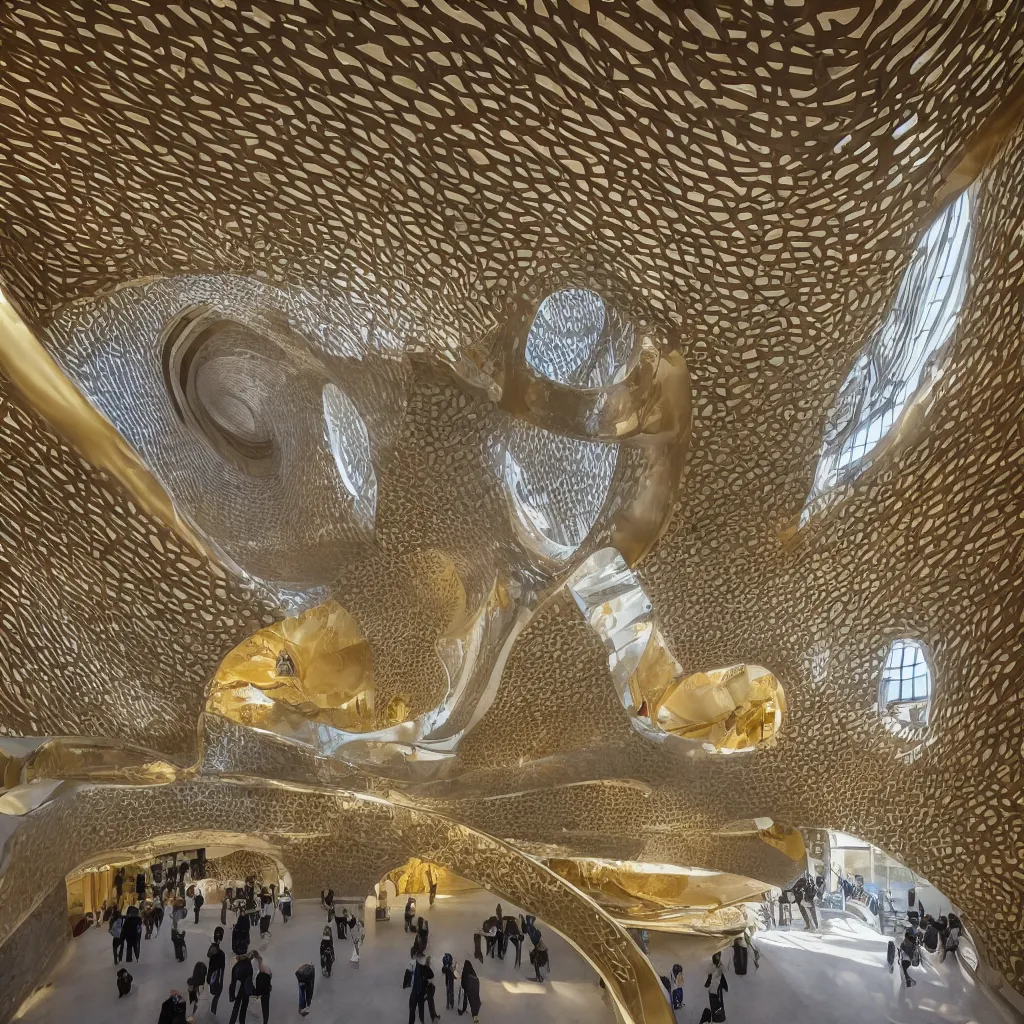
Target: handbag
[[407, 980]]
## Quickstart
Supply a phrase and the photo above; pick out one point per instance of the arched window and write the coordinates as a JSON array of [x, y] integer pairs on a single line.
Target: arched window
[[905, 694], [903, 358]]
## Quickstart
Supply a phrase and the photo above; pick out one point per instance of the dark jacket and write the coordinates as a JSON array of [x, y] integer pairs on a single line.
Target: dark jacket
[[199, 900], [470, 989], [215, 967], [172, 1011], [241, 979]]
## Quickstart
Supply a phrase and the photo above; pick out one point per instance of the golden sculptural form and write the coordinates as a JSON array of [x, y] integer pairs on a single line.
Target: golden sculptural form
[[316, 664]]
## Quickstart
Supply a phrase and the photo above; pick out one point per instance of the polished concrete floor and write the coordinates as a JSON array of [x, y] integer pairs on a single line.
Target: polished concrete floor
[[82, 988], [837, 977]]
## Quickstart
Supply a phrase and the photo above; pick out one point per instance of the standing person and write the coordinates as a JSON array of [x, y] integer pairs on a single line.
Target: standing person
[[148, 919], [116, 929], [252, 908], [677, 986], [178, 941], [448, 970], [341, 922], [119, 884], [305, 974], [262, 986], [241, 988], [158, 911], [739, 956], [224, 907], [215, 967], [197, 903], [240, 935], [329, 905], [490, 935], [131, 931], [951, 943], [422, 934], [124, 982], [266, 912], [140, 886], [172, 1011], [410, 913], [470, 991], [286, 905], [196, 984], [717, 987], [908, 950], [327, 953], [421, 974], [539, 958], [432, 885], [515, 936]]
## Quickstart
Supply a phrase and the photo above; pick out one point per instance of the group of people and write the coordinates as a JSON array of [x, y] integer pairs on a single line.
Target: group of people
[[935, 935], [504, 930], [419, 975]]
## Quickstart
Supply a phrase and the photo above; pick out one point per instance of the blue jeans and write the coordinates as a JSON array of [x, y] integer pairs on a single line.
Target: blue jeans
[[304, 999]]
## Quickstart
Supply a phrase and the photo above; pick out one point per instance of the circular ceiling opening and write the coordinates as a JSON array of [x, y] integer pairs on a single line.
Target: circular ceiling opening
[[578, 340]]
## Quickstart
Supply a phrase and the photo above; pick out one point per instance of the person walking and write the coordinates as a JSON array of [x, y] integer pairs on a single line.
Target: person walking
[[266, 912], [240, 935], [216, 964], [224, 907], [196, 984], [285, 903], [469, 992], [677, 986], [410, 913], [262, 986], [448, 971], [328, 904], [327, 952], [341, 922], [432, 886], [241, 988], [305, 974], [197, 903], [717, 986], [908, 953], [116, 930]]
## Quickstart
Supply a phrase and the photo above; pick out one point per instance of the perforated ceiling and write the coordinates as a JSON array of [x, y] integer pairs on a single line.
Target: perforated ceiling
[[378, 197]]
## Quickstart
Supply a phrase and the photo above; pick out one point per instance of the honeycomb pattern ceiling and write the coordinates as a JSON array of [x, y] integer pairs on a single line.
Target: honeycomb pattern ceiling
[[513, 330]]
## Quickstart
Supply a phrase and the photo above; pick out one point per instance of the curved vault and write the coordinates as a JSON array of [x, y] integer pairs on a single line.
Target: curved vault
[[318, 834]]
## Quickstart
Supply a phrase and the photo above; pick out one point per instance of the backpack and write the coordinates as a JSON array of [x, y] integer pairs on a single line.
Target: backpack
[[407, 980], [115, 928], [446, 961], [262, 986]]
